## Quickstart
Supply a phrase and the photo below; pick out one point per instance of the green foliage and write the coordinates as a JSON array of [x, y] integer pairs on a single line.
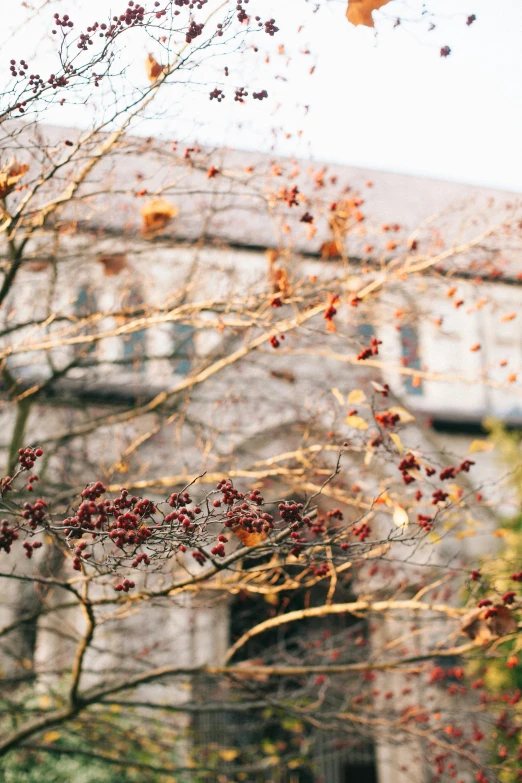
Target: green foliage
[[35, 767], [503, 676]]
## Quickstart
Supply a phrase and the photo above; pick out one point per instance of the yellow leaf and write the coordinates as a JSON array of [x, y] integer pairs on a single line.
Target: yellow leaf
[[368, 457], [400, 516], [360, 11], [455, 493], [338, 396], [480, 445], [464, 534], [356, 422], [51, 736], [395, 438], [115, 708], [404, 415], [10, 175], [356, 397], [228, 754], [434, 537], [44, 701]]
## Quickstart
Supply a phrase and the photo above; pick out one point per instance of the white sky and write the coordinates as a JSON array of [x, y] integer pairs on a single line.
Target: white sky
[[385, 101]]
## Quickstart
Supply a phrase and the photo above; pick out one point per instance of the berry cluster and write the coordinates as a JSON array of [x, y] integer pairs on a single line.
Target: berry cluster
[[35, 514], [217, 94], [330, 311], [451, 471], [289, 195], [274, 342], [190, 3], [387, 418], [193, 31], [439, 497], [22, 68], [258, 96], [65, 21], [29, 548], [125, 586], [219, 548], [143, 558], [270, 27], [240, 95], [30, 482], [425, 522], [362, 531], [406, 464], [8, 536], [371, 350], [93, 491], [28, 456]]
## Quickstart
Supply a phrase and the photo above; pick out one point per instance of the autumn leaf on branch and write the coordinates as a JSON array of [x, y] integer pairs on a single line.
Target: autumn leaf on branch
[[360, 11], [154, 70], [156, 215], [10, 175], [247, 538], [484, 624]]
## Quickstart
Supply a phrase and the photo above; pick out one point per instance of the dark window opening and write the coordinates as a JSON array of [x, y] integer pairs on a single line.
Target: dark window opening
[[332, 758], [359, 773]]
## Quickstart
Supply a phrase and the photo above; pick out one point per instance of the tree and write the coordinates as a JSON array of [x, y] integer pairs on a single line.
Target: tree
[[322, 517]]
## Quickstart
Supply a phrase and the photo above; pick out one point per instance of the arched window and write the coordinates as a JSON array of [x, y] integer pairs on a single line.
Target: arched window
[[410, 353]]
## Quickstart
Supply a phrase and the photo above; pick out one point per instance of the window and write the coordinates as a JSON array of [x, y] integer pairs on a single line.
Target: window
[[135, 343], [410, 353], [182, 348], [85, 305], [366, 330]]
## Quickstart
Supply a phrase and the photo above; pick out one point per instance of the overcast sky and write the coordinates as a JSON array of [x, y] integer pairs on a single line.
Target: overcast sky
[[384, 101]]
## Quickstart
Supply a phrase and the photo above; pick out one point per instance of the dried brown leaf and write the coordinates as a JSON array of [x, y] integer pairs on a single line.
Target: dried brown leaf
[[483, 629], [113, 264]]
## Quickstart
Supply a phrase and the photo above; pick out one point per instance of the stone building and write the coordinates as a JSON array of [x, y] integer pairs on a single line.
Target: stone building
[[96, 257]]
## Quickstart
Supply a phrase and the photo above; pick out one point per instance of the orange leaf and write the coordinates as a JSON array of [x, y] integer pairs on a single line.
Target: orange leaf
[[360, 11], [246, 538], [157, 214], [482, 629], [330, 249], [154, 70]]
